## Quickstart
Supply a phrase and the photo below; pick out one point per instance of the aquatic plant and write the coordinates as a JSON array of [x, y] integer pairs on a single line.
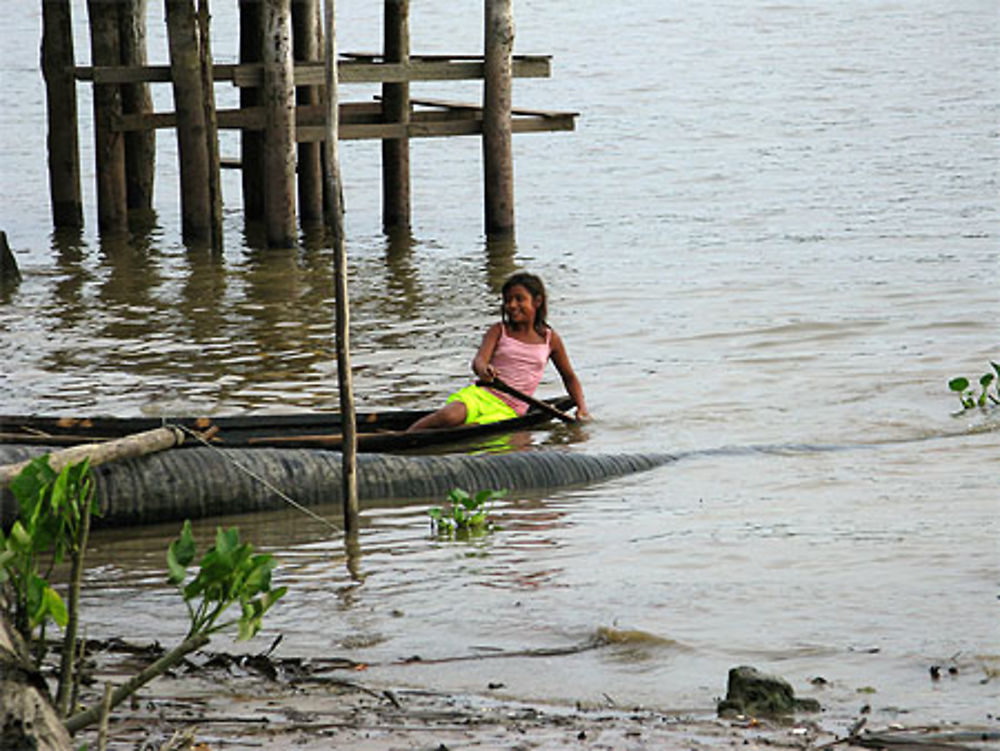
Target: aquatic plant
[[467, 515], [54, 522], [228, 573], [967, 393]]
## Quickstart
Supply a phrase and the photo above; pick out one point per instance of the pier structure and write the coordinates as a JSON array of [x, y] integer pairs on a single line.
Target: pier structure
[[281, 113]]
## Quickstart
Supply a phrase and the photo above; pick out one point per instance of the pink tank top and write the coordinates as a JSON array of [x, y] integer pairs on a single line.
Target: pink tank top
[[520, 365]]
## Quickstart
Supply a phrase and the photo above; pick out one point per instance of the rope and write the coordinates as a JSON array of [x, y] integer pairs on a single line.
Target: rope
[[263, 481]]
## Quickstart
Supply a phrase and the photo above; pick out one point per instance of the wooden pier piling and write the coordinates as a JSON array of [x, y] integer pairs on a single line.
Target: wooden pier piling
[[207, 70], [251, 139], [279, 131], [140, 145], [60, 91], [396, 109], [105, 49], [189, 105], [498, 158], [284, 97], [307, 47]]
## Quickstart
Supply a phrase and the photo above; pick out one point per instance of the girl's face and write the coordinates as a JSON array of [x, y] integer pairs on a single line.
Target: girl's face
[[520, 306]]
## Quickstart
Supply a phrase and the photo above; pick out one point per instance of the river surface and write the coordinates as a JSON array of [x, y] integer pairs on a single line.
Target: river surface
[[775, 226]]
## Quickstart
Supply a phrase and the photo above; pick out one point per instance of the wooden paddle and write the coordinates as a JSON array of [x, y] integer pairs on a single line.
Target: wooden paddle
[[500, 385]]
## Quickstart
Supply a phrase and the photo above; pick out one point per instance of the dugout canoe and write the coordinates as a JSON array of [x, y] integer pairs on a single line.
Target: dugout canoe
[[377, 431]]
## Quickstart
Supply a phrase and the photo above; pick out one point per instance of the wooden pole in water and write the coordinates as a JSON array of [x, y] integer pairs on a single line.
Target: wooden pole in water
[[60, 90], [335, 217], [498, 158], [396, 109], [279, 132], [189, 104], [140, 145], [105, 49], [252, 141], [211, 126], [307, 43]]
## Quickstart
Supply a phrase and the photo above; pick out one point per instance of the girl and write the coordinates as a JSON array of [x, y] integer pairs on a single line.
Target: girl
[[515, 350]]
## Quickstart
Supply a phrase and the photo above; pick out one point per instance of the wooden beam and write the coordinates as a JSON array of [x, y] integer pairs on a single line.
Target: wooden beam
[[311, 74], [360, 120]]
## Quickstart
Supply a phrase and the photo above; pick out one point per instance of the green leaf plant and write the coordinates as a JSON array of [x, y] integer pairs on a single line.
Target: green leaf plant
[[229, 573], [967, 393], [53, 524], [466, 516]]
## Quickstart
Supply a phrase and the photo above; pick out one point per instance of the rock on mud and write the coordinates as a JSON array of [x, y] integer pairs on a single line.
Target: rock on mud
[[751, 692]]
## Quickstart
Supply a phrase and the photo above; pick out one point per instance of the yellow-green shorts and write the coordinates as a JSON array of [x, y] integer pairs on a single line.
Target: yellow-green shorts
[[482, 406]]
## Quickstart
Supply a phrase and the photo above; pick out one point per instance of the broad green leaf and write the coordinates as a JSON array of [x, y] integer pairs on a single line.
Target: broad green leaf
[[180, 554], [958, 384], [55, 607]]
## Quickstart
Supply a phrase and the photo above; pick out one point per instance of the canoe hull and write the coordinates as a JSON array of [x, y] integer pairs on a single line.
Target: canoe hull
[[377, 431]]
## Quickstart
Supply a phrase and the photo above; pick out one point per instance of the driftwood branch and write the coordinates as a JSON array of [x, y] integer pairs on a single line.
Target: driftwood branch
[[27, 719], [90, 716]]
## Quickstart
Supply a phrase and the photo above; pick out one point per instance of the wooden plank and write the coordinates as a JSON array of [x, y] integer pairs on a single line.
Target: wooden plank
[[444, 103], [311, 74], [424, 124]]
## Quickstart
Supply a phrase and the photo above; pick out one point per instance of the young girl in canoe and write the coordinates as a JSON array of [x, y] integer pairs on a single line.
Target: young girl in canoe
[[515, 350]]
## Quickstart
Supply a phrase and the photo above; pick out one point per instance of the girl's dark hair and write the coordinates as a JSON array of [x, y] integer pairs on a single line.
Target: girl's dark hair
[[536, 288]]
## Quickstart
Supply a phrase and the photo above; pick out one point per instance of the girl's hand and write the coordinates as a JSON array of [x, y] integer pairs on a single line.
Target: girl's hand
[[583, 416], [488, 373]]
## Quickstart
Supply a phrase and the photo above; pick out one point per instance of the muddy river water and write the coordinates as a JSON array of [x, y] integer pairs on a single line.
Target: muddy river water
[[774, 227]]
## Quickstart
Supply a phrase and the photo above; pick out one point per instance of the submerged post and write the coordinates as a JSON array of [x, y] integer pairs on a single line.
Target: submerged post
[[252, 141], [498, 159], [105, 49], [335, 218], [211, 126], [140, 145], [60, 96], [396, 109], [279, 132], [189, 103], [307, 43]]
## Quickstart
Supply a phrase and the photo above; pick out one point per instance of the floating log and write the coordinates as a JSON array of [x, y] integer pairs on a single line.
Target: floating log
[[60, 96], [279, 134], [396, 109], [147, 442], [498, 157]]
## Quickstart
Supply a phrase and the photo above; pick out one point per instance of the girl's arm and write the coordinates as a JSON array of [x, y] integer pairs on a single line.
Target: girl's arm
[[561, 360], [481, 364]]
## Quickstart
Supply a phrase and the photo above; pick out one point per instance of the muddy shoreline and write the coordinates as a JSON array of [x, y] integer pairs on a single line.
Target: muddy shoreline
[[217, 700]]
